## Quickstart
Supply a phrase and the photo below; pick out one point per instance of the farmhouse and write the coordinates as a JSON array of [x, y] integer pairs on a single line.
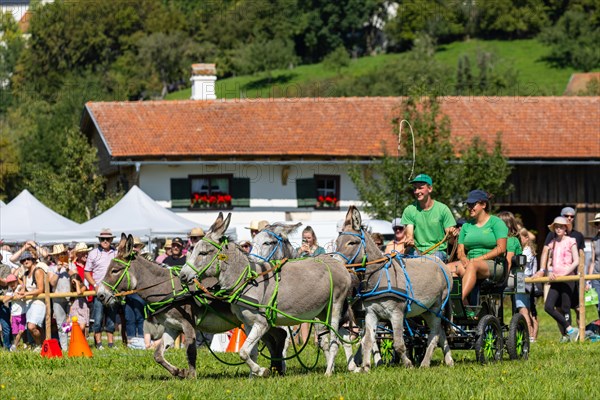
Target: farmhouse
[[286, 159]]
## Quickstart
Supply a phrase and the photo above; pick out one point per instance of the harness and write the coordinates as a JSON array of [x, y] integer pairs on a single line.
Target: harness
[[279, 246], [248, 276], [387, 290]]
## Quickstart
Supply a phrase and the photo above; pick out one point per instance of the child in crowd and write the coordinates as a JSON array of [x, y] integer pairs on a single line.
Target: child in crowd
[[526, 302], [17, 309], [79, 306]]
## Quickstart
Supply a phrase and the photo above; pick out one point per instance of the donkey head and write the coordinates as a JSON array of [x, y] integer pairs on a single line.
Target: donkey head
[[272, 242]]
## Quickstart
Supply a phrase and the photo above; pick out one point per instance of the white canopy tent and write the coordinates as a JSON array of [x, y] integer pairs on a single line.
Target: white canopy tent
[[2, 204], [137, 214], [26, 218]]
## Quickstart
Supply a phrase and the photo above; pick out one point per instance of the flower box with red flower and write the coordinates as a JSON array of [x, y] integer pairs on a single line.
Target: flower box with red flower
[[327, 202]]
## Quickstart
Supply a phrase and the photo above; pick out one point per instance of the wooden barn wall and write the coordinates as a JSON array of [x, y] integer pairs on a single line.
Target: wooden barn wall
[[554, 185]]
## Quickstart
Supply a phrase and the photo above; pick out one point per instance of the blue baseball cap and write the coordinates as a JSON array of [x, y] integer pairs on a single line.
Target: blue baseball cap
[[476, 196], [423, 178]]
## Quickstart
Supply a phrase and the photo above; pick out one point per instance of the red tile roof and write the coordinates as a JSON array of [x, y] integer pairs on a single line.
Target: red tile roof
[[532, 127]]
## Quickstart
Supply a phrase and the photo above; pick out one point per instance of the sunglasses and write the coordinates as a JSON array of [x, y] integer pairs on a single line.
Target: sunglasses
[[596, 223], [105, 239], [27, 259], [195, 238], [398, 228], [471, 205], [569, 216], [246, 246]]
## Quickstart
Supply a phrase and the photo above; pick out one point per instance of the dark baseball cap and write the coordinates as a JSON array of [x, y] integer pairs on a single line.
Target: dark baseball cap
[[177, 241], [477, 196]]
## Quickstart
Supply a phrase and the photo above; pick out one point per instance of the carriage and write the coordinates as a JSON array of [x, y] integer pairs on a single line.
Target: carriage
[[486, 333]]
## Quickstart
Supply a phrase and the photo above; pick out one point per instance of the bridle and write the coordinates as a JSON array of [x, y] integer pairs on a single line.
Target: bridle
[[279, 245], [362, 246]]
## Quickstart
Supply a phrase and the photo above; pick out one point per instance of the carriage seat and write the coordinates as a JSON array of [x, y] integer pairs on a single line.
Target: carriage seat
[[491, 286]]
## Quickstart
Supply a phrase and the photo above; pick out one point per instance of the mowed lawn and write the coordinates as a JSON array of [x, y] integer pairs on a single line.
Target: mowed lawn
[[557, 371], [536, 76]]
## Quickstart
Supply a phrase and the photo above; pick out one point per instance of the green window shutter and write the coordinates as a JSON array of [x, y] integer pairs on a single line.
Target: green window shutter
[[240, 192], [306, 192], [180, 193]]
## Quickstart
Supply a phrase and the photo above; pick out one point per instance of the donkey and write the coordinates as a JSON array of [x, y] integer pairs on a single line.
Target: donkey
[[181, 313], [426, 281], [262, 295]]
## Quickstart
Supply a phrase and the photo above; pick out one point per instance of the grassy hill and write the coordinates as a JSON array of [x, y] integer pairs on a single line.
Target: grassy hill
[[536, 76]]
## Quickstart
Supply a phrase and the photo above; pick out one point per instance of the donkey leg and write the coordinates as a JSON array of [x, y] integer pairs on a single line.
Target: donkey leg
[[397, 322], [165, 343], [190, 351], [334, 345], [434, 334], [256, 332], [443, 342], [347, 337], [368, 340], [275, 342]]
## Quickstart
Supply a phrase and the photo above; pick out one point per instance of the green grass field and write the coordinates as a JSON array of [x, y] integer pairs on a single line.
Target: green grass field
[[536, 77], [557, 371]]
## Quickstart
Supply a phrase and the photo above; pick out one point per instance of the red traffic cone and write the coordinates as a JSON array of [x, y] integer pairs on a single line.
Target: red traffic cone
[[51, 348], [78, 347], [237, 340]]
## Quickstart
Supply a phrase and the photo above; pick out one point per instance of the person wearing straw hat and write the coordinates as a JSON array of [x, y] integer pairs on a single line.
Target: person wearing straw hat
[[167, 252], [256, 226], [195, 236], [427, 221], [61, 283], [95, 270], [562, 259], [80, 307], [594, 267], [35, 273]]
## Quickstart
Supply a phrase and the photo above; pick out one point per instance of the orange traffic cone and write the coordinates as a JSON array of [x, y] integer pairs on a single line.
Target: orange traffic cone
[[237, 340], [78, 347]]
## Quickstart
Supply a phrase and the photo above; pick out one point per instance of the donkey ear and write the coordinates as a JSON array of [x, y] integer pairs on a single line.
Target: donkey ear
[[219, 227], [129, 244], [356, 220]]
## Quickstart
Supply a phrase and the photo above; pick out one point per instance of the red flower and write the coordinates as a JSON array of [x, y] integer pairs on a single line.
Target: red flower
[[321, 199], [196, 196], [212, 199], [334, 200], [204, 198], [328, 199], [227, 198]]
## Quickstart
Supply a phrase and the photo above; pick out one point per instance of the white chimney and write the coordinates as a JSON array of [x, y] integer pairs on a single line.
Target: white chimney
[[203, 80]]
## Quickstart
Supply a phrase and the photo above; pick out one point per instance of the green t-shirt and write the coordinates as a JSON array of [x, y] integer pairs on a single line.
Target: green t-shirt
[[479, 241], [429, 225], [513, 245]]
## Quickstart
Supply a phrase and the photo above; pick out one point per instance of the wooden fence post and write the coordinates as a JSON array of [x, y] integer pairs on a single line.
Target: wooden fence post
[[581, 271], [48, 306]]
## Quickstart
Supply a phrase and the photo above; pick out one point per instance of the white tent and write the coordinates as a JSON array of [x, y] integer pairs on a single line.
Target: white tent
[[2, 204], [26, 218], [136, 213]]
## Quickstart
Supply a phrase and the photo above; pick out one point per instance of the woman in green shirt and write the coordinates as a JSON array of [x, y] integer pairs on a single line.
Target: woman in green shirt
[[481, 245]]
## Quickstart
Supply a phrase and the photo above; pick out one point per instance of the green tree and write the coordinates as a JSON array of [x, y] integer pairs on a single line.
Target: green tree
[[10, 50], [511, 19], [574, 41], [492, 75], [387, 190], [337, 59]]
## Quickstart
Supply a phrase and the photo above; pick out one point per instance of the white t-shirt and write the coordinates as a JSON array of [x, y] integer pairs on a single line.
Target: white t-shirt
[[17, 307]]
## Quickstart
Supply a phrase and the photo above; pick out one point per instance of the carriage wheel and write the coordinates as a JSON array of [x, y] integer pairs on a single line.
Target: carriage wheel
[[489, 344], [517, 342], [387, 352]]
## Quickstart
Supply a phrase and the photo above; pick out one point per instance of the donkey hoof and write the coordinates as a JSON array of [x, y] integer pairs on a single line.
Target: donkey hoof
[[449, 361], [264, 373]]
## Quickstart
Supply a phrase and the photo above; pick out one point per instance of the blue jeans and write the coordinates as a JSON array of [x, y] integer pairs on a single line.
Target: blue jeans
[[134, 316], [5, 323], [99, 311]]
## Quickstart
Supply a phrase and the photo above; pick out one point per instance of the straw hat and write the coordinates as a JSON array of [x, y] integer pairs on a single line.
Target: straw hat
[[199, 232], [137, 242], [58, 249], [106, 233], [596, 219], [168, 244], [256, 225], [559, 221], [81, 247]]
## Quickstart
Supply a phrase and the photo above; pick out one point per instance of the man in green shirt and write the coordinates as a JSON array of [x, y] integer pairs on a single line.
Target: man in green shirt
[[427, 221]]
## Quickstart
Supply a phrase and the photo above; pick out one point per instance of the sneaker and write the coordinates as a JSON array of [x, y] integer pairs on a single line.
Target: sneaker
[[573, 334], [99, 347], [13, 347], [531, 339], [565, 339], [37, 349]]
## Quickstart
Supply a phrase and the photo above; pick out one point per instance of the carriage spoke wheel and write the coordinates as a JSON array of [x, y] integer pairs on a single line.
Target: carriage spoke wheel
[[517, 343], [387, 352], [489, 344]]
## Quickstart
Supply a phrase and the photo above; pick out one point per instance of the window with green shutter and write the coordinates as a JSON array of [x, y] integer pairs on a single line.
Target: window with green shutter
[[240, 192], [180, 192], [306, 192]]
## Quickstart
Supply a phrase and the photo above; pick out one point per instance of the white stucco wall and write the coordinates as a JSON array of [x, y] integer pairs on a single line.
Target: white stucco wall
[[271, 200]]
